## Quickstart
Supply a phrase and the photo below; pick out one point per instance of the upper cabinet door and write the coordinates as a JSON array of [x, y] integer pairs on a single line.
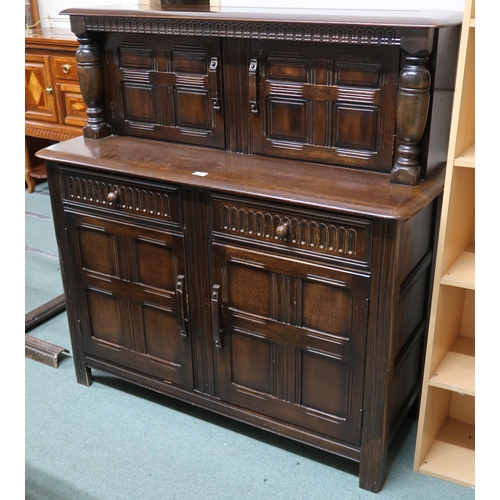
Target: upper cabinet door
[[166, 88], [334, 104]]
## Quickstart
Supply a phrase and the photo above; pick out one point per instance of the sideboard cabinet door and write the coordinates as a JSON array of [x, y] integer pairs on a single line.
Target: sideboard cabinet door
[[333, 103], [166, 88], [132, 291], [290, 339]]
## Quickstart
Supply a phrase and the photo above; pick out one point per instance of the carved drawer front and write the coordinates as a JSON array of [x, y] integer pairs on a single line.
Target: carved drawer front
[[334, 104], [166, 88], [329, 235], [143, 200]]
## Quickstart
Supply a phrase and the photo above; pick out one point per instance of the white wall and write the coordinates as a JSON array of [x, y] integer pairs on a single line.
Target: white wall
[[51, 8]]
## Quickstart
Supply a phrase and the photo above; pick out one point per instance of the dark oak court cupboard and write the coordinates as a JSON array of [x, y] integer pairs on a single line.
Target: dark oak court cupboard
[[248, 222]]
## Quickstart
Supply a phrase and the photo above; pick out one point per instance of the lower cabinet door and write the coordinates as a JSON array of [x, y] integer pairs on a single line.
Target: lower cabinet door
[[132, 286], [290, 339]]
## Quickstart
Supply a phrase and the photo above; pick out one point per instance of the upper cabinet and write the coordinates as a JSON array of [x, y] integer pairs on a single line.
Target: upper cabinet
[[337, 90]]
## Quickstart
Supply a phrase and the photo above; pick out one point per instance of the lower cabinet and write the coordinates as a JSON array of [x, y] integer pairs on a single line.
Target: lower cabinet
[[305, 320]]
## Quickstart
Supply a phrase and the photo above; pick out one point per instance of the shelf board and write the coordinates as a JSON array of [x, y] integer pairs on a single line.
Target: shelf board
[[467, 158], [462, 273], [452, 455], [457, 370]]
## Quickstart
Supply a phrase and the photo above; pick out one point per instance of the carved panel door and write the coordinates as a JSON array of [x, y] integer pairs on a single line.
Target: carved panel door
[[290, 339], [133, 295], [334, 104], [166, 88], [40, 102]]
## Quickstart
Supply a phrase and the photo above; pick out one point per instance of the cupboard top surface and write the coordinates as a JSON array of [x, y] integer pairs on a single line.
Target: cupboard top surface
[[282, 180], [374, 17]]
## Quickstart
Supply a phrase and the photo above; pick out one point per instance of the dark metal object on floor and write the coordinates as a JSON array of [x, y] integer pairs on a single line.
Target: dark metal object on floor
[[40, 350]]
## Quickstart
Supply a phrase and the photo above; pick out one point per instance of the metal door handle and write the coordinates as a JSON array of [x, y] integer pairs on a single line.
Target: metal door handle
[[182, 316], [217, 328]]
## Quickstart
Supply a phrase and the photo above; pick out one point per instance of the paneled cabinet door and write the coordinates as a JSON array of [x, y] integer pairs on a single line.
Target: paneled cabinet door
[[334, 103], [290, 339], [133, 296], [166, 88], [40, 101]]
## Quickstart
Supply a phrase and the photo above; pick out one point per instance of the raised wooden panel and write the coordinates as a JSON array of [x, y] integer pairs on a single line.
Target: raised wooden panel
[[166, 88], [326, 305], [154, 263], [160, 334], [252, 363], [104, 317], [287, 119], [335, 105], [139, 103], [355, 127], [97, 249], [250, 289], [332, 398]]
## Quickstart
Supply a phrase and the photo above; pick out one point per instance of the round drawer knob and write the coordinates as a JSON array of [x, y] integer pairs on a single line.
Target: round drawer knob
[[282, 230], [112, 197], [66, 68]]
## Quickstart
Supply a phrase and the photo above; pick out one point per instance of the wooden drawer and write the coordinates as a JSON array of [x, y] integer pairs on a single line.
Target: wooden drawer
[[122, 195], [317, 234], [65, 68]]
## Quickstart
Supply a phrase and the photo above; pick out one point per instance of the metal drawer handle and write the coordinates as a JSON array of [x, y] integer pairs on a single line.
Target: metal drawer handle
[[112, 197], [49, 90], [66, 68], [282, 230]]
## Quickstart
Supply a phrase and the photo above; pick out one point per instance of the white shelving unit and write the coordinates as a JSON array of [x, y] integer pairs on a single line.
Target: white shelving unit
[[445, 445]]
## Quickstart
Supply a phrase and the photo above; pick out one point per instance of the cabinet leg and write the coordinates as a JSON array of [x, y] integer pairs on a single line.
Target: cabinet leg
[[30, 182], [84, 375], [372, 472]]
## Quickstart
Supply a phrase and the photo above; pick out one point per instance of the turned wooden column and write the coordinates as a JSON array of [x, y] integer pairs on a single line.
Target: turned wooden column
[[90, 76], [412, 105]]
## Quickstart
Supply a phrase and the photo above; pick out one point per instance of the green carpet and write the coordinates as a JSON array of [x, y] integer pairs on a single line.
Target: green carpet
[[116, 441]]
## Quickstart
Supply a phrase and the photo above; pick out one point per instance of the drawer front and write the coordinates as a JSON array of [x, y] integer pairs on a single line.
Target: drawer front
[[327, 235], [121, 195], [71, 105], [65, 68]]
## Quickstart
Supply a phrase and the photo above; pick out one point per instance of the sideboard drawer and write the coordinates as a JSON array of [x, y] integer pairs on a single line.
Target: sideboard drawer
[[65, 68], [329, 235], [123, 195]]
